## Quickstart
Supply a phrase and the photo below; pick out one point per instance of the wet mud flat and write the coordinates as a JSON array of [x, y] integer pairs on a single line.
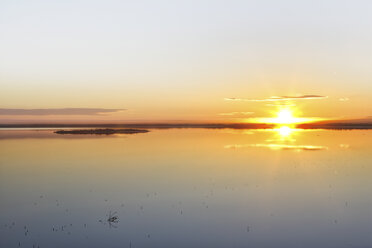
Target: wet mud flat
[[106, 131]]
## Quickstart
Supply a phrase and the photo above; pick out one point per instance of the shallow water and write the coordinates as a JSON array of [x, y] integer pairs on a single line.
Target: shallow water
[[186, 188]]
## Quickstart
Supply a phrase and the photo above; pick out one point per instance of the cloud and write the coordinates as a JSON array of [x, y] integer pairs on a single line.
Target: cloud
[[285, 104], [278, 98], [236, 113], [344, 99], [58, 111]]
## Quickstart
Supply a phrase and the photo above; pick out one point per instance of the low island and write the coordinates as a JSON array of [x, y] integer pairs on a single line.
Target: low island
[[106, 131]]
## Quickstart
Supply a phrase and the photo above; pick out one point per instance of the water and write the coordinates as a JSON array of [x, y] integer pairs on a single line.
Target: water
[[186, 188]]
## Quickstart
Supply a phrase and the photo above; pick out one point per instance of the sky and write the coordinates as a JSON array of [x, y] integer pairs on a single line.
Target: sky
[[184, 61]]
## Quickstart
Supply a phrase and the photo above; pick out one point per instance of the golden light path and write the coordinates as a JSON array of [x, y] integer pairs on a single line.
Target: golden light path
[[285, 116], [285, 131], [284, 138], [284, 122]]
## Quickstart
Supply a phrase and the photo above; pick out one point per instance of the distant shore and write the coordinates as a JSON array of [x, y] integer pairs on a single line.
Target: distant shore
[[335, 126], [316, 125]]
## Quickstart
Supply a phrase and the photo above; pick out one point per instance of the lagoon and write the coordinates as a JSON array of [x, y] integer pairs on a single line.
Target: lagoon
[[186, 188]]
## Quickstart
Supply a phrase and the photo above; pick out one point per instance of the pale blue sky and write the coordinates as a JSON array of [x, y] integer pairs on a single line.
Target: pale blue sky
[[184, 57]]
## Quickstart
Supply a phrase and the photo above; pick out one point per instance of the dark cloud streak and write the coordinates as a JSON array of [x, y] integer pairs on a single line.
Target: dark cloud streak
[[58, 111], [278, 98]]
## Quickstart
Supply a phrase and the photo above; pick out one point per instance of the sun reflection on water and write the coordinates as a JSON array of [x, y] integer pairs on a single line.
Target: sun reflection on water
[[285, 131], [282, 137]]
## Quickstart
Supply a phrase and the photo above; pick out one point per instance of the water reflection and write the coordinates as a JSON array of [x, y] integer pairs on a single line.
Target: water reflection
[[281, 147], [282, 138], [284, 134], [285, 131], [181, 188]]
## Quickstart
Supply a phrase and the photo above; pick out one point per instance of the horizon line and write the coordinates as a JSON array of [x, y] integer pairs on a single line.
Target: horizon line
[[336, 125]]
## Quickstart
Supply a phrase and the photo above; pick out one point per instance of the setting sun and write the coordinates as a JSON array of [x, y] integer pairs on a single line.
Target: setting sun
[[285, 116]]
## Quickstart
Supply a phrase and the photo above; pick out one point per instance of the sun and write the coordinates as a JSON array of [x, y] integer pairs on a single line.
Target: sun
[[285, 116]]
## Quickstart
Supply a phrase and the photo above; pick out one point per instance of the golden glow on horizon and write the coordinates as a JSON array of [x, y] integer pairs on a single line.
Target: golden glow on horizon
[[285, 117]]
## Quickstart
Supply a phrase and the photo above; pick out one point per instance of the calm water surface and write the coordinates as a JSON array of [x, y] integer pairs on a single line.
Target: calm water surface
[[186, 188]]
